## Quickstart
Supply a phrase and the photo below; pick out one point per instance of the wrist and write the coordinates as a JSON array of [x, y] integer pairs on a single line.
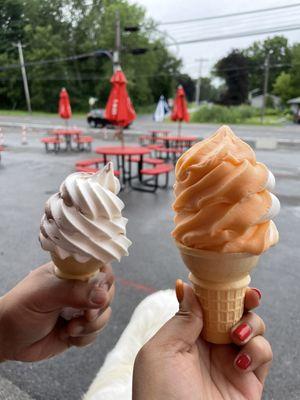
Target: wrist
[[2, 359]]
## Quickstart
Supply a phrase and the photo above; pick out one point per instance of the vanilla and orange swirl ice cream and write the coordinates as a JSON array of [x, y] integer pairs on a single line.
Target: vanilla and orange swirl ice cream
[[223, 197], [84, 220]]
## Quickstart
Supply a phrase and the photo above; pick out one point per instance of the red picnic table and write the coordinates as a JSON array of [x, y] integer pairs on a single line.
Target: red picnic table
[[68, 134], [122, 152], [179, 140], [156, 132], [175, 145]]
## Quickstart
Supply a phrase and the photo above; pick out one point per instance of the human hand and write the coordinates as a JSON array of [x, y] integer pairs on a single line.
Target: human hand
[[31, 328], [178, 364]]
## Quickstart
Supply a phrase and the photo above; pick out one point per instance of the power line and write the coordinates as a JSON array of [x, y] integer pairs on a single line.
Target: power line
[[57, 60], [183, 42], [90, 77], [250, 67], [241, 34], [96, 77], [229, 15], [251, 23], [276, 15]]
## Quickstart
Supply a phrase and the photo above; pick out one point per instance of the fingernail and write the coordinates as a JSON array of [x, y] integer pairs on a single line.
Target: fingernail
[[98, 279], [242, 332], [243, 361], [257, 291], [97, 296], [179, 290], [77, 330], [105, 286], [93, 314]]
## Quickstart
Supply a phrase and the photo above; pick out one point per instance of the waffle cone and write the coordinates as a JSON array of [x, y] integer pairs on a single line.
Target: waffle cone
[[219, 281], [69, 268]]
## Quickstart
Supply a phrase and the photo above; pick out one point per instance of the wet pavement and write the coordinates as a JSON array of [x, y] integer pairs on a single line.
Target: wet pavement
[[27, 178]]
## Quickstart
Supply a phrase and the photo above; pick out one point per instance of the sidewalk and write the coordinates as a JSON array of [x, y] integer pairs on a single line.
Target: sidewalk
[[258, 142], [9, 391]]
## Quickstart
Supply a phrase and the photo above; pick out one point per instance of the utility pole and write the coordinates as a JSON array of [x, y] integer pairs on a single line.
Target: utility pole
[[117, 49], [198, 84], [266, 81], [24, 76]]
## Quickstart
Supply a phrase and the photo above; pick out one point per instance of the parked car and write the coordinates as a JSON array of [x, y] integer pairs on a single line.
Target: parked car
[[95, 118], [295, 108]]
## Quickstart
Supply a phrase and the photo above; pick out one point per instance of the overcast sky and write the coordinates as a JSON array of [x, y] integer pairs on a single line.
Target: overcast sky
[[174, 10]]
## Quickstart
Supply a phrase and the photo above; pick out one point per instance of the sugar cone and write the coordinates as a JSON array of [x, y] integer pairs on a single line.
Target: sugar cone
[[69, 268], [220, 281]]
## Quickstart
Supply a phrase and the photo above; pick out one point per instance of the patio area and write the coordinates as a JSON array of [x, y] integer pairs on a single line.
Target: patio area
[[28, 176]]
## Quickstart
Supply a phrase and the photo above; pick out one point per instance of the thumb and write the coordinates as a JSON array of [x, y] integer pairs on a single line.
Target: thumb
[[51, 293], [186, 325]]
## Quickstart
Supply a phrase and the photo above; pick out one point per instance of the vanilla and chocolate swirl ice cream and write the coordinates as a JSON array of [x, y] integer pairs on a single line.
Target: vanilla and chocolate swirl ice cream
[[84, 220]]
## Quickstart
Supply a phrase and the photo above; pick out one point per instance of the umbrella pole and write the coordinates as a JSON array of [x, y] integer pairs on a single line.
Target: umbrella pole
[[119, 135], [122, 136], [116, 133], [179, 128]]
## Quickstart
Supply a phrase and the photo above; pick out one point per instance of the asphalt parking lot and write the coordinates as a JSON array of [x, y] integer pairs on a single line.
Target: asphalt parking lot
[[28, 177]]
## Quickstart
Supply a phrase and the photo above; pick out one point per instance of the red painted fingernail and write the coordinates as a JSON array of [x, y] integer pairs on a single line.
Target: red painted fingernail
[[179, 290], [257, 291], [243, 361], [242, 331]]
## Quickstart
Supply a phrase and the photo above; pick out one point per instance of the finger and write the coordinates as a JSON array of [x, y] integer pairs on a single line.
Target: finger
[[83, 341], [91, 315], [80, 327], [255, 356], [109, 276], [249, 326], [252, 298], [59, 293], [262, 372], [54, 343], [185, 327]]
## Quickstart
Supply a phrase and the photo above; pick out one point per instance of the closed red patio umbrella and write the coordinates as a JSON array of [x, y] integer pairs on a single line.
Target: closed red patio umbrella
[[119, 109], [64, 107], [180, 111]]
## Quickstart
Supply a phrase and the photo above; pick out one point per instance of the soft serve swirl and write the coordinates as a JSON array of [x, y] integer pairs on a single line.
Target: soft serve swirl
[[223, 202], [84, 219]]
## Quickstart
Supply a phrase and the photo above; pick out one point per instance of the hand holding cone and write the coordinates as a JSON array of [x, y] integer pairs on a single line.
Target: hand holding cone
[[223, 223], [83, 227]]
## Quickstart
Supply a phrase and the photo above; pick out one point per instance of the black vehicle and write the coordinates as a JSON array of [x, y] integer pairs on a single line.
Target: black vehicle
[[95, 119]]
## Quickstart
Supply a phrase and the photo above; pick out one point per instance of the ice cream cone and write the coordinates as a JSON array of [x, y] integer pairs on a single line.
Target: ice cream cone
[[69, 268], [219, 281]]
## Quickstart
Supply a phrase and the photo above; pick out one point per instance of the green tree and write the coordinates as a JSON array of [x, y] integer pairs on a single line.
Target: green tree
[[12, 23], [295, 70], [45, 81], [163, 79], [64, 28], [287, 85], [280, 59], [283, 86], [208, 92], [188, 84], [234, 70]]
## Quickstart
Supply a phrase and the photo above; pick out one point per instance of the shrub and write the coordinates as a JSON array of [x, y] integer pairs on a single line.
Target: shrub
[[229, 115]]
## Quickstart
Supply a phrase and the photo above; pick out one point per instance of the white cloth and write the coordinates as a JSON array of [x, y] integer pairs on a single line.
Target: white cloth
[[162, 109], [114, 380]]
